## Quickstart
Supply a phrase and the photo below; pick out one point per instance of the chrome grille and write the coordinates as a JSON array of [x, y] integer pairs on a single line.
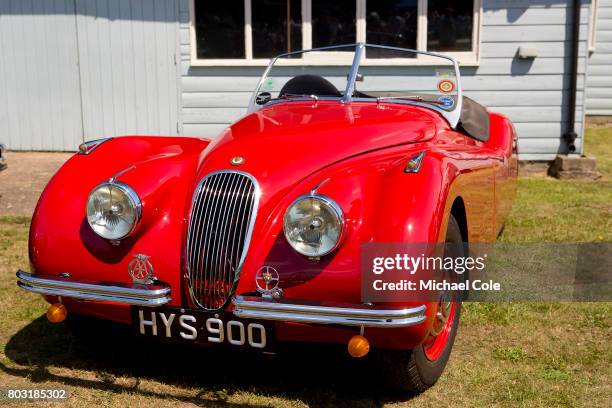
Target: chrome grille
[[220, 225]]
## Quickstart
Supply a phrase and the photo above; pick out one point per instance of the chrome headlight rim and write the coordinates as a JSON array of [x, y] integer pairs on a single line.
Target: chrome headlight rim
[[132, 196], [331, 204]]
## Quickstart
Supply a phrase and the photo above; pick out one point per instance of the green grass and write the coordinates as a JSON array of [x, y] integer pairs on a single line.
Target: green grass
[[550, 210], [598, 144], [513, 354], [506, 354]]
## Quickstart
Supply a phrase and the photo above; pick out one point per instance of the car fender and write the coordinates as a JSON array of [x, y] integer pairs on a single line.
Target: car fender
[[159, 169]]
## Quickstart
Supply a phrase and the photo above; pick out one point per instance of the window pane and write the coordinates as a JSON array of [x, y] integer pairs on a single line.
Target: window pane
[[449, 25], [333, 22], [271, 33], [219, 28], [393, 23]]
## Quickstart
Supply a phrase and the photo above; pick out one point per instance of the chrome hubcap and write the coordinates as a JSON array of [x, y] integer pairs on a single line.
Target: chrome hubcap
[[442, 313]]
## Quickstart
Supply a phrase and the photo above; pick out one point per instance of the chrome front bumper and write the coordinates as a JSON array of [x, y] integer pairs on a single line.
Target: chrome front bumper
[[156, 295], [139, 295], [290, 312]]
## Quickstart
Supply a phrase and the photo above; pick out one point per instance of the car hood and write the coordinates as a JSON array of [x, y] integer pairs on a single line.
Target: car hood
[[284, 143]]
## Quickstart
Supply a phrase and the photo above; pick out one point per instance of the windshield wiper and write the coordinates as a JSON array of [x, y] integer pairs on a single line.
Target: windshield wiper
[[295, 97], [414, 98]]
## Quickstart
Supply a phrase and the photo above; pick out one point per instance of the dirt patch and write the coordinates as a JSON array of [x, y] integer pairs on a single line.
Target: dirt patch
[[598, 122], [531, 168], [25, 178]]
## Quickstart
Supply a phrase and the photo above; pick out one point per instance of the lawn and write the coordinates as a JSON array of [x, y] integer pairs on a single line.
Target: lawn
[[513, 354]]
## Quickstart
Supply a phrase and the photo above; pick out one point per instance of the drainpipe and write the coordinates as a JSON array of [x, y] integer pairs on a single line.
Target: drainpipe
[[571, 135]]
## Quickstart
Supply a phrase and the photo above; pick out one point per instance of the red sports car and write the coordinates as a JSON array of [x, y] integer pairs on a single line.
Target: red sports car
[[255, 238]]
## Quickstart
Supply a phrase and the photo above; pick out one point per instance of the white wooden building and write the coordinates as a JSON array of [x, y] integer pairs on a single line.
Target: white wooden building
[[74, 70], [599, 73]]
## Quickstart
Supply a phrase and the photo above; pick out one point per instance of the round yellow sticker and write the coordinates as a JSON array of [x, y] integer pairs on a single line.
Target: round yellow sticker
[[446, 86]]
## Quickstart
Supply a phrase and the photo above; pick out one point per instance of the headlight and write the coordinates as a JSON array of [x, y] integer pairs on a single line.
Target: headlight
[[113, 209], [314, 225]]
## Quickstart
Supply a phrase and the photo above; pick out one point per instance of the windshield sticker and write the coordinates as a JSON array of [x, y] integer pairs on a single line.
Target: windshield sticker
[[268, 84], [444, 74], [447, 101], [446, 86]]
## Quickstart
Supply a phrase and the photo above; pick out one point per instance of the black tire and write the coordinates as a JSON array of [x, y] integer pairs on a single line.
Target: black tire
[[412, 371]]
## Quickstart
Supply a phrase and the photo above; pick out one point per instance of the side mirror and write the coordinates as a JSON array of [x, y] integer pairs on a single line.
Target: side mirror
[[263, 98]]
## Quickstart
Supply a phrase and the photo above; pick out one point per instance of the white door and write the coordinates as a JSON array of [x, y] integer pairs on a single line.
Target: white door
[[40, 107], [127, 56], [74, 70]]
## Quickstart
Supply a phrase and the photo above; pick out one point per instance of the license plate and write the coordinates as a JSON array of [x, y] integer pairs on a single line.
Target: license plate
[[207, 328]]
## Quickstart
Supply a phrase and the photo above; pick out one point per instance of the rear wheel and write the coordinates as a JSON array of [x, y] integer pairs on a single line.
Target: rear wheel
[[418, 369]]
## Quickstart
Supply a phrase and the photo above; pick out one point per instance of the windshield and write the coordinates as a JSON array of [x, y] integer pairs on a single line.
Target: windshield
[[429, 79]]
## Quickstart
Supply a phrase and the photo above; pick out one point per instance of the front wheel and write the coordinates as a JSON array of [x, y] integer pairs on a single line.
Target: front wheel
[[418, 369]]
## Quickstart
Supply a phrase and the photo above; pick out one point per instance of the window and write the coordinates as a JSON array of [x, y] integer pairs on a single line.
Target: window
[[277, 27], [391, 22], [449, 25], [333, 22], [219, 30], [249, 32]]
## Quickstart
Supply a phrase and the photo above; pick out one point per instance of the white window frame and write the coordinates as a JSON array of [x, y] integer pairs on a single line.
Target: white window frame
[[470, 58], [593, 26]]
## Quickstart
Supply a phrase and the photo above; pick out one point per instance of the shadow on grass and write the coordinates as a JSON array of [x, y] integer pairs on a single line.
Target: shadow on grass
[[315, 375]]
